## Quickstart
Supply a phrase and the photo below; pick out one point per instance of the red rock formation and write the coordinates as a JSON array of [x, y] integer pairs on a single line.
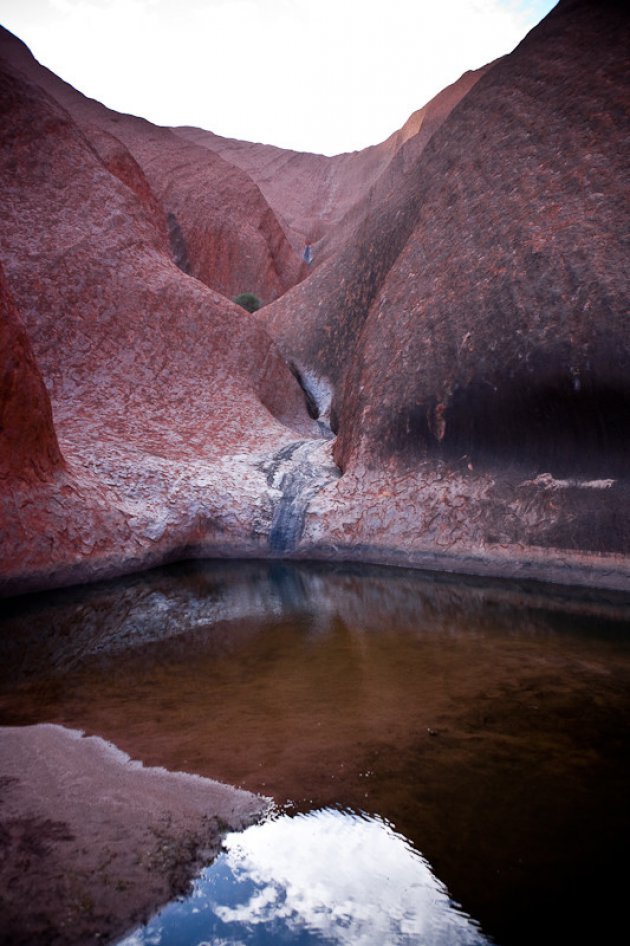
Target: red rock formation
[[310, 193], [222, 229], [317, 196], [79, 802], [28, 443], [485, 412], [512, 280], [232, 240], [465, 311], [317, 323], [167, 397]]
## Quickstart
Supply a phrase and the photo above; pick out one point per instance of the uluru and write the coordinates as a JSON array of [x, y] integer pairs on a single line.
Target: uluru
[[434, 375], [445, 385]]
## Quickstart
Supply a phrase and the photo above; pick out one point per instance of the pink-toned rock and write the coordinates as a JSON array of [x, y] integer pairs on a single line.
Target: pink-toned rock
[[93, 842], [310, 193], [462, 326], [28, 443], [222, 229], [483, 418], [318, 322], [320, 199], [231, 239], [167, 398]]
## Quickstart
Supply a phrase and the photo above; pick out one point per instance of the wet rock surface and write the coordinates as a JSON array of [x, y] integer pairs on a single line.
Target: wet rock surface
[[165, 396], [460, 329], [299, 471], [317, 323], [481, 384]]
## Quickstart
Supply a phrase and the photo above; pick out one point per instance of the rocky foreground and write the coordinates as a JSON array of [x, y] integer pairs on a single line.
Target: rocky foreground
[[446, 384], [77, 870]]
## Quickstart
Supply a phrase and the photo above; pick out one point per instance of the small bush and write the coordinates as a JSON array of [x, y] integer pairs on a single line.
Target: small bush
[[248, 301]]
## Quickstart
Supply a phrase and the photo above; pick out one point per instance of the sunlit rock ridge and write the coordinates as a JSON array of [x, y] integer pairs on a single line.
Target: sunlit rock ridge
[[446, 384]]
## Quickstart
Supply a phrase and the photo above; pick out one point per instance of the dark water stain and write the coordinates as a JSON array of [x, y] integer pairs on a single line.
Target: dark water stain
[[487, 723]]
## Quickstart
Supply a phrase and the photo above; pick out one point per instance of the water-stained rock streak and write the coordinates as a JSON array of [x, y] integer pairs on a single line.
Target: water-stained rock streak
[[299, 472]]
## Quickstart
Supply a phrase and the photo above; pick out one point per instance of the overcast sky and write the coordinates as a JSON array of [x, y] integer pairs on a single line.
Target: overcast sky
[[315, 75]]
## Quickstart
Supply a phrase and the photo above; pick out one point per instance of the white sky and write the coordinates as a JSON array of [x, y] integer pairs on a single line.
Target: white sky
[[315, 75]]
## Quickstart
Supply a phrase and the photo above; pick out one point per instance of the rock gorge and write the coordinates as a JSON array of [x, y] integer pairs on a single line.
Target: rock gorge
[[445, 386]]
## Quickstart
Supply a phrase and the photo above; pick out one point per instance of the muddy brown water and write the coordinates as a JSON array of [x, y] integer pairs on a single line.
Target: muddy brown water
[[486, 722]]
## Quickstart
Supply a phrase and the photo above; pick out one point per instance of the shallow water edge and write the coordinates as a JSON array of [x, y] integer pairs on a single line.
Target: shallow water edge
[[486, 722]]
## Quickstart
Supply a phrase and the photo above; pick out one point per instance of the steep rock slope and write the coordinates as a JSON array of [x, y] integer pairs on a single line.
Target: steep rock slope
[[318, 197], [28, 443], [166, 397], [310, 192], [317, 323], [464, 325], [230, 238], [485, 412], [220, 227]]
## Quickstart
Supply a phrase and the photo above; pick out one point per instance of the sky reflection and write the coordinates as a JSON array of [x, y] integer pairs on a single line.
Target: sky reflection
[[328, 877]]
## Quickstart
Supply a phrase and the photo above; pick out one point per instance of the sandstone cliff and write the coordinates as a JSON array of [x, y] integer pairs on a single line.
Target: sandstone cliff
[[28, 443], [462, 328], [165, 395], [492, 368]]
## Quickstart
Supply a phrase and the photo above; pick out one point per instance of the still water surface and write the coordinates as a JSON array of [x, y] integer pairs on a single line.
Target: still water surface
[[438, 750], [329, 877]]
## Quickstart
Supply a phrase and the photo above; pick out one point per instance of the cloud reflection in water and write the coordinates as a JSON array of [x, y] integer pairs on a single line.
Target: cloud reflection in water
[[329, 877]]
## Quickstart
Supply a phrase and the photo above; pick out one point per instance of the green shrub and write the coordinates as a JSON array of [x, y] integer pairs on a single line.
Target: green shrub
[[249, 301]]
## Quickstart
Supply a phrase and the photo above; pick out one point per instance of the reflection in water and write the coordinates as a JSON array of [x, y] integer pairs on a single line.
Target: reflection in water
[[62, 630], [488, 722], [330, 877]]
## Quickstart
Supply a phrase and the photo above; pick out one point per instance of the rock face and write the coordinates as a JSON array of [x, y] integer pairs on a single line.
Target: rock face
[[230, 237], [318, 198], [317, 323], [28, 443], [504, 308], [461, 328], [503, 313], [220, 227], [155, 380]]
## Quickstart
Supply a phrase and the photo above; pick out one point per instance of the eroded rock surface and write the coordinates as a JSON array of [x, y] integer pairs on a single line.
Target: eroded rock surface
[[483, 412], [28, 442], [320, 199], [165, 395], [461, 327], [220, 226], [318, 322]]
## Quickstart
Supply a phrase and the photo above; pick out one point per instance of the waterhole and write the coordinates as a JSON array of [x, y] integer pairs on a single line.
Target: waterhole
[[331, 877], [448, 758]]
